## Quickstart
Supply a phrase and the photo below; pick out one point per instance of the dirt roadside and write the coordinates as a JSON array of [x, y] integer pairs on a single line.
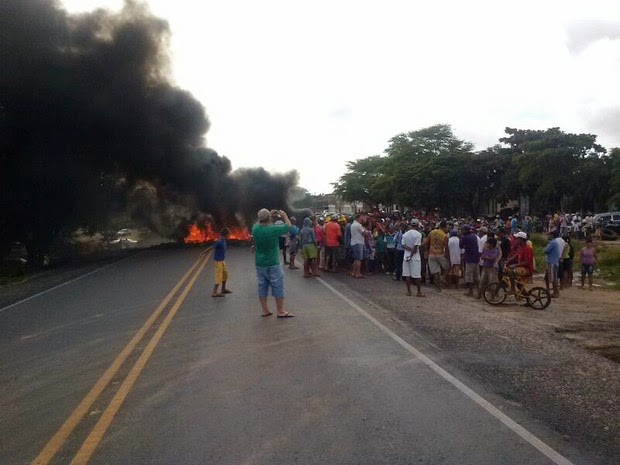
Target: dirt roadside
[[591, 319]]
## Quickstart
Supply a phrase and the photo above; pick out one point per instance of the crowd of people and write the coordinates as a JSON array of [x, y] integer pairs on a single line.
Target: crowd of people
[[572, 224], [420, 249], [412, 248]]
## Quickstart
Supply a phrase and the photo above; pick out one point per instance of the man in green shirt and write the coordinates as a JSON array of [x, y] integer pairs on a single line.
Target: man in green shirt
[[269, 271]]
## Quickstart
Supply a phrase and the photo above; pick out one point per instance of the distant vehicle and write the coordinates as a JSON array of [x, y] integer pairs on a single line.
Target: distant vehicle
[[17, 254], [122, 238], [614, 225], [604, 218], [17, 258]]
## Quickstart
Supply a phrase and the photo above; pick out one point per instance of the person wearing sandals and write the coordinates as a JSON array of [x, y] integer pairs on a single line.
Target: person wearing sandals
[[269, 271], [412, 261], [219, 256]]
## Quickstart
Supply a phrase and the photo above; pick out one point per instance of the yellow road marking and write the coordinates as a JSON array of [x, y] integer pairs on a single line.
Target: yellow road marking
[[96, 435], [57, 441]]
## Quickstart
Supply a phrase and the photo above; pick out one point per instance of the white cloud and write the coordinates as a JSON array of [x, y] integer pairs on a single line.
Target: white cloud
[[309, 86]]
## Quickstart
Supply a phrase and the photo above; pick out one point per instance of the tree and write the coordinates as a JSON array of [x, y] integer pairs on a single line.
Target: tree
[[614, 183], [420, 168], [548, 163], [359, 182]]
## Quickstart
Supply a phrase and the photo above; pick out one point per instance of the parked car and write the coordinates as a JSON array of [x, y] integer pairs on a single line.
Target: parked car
[[604, 218], [123, 239], [614, 225]]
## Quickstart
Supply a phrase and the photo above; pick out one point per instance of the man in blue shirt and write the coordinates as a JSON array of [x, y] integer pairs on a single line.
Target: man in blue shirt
[[552, 254], [219, 255]]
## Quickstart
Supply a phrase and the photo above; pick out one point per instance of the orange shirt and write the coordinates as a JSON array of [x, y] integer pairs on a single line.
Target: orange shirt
[[333, 233]]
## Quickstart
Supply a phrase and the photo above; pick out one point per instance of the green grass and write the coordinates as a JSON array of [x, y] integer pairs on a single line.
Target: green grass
[[539, 241], [609, 263]]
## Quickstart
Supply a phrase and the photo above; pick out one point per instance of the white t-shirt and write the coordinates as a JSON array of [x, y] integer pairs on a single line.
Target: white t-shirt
[[481, 243], [454, 247], [412, 238], [357, 234], [561, 244]]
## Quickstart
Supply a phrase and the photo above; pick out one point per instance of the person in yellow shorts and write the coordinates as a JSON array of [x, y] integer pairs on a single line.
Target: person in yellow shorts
[[219, 255]]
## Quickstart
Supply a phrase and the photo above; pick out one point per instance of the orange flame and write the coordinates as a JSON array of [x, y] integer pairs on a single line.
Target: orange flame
[[199, 235]]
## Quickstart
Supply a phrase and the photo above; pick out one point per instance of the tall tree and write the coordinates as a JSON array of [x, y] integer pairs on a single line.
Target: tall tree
[[614, 183], [420, 165], [549, 161], [359, 182]]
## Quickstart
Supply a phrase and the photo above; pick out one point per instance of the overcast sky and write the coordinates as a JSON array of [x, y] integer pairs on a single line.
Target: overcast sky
[[312, 85]]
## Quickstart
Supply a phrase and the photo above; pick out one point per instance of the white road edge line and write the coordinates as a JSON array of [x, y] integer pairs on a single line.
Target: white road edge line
[[545, 449], [61, 285]]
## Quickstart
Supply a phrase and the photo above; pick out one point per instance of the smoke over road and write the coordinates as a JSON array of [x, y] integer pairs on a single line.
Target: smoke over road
[[91, 125]]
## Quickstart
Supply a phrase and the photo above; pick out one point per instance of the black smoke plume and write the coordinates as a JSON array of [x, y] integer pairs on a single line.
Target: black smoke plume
[[91, 125]]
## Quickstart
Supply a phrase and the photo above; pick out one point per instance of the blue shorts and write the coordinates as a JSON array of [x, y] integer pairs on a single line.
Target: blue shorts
[[271, 276], [587, 270], [357, 251]]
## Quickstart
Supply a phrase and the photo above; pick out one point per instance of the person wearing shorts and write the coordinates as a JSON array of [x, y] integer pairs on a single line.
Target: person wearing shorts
[[552, 254], [412, 260], [357, 245], [309, 251], [471, 257], [587, 260], [269, 272], [219, 256], [333, 237], [437, 252]]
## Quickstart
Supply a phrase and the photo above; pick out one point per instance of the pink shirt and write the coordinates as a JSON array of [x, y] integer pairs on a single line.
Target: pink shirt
[[588, 256]]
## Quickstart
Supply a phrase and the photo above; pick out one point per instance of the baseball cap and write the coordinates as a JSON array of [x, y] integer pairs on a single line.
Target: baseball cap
[[415, 222], [521, 235]]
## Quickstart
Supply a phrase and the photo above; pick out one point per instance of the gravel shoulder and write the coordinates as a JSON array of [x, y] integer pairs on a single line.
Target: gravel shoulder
[[560, 365]]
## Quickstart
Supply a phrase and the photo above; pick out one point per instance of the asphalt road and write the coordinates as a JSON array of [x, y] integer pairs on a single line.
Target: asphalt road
[[211, 382]]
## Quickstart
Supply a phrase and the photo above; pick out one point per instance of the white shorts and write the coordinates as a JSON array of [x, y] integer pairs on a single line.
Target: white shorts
[[412, 268]]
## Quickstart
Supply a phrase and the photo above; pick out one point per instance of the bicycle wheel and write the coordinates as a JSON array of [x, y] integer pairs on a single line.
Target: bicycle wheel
[[494, 293], [538, 298]]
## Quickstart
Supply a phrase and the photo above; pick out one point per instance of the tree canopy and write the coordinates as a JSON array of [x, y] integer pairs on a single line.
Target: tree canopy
[[433, 169]]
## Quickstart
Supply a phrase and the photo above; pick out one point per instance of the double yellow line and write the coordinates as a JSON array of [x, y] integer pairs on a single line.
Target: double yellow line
[[96, 435]]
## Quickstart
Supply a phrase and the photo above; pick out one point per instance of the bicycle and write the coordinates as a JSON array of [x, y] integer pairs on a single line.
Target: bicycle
[[538, 298]]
